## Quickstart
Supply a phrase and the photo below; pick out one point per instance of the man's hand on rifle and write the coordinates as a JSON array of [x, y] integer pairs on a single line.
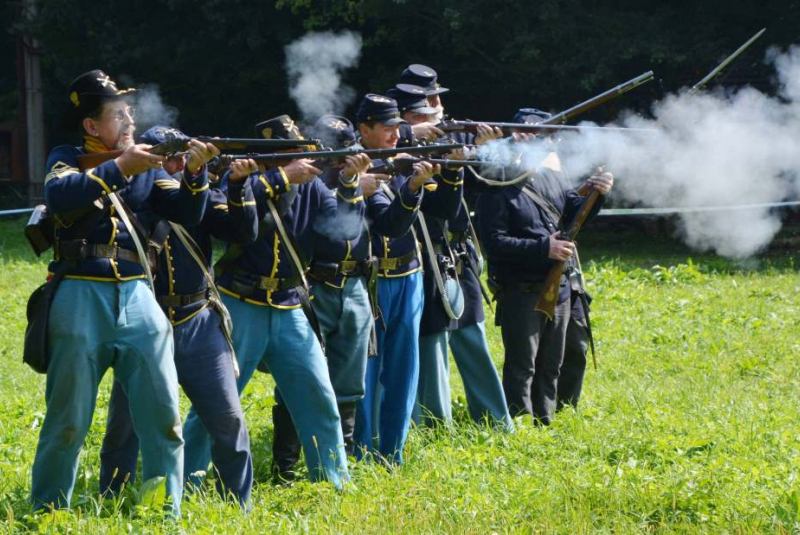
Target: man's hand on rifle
[[136, 159], [423, 172], [426, 131], [301, 171], [601, 181], [200, 154], [370, 182], [241, 169], [561, 250], [486, 133], [357, 164], [523, 137]]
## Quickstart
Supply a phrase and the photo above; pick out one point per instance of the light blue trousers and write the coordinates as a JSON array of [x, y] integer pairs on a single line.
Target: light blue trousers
[[94, 326], [391, 382], [287, 344], [482, 386], [345, 317]]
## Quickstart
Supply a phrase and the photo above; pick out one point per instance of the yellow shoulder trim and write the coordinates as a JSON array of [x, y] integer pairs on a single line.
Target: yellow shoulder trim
[[354, 200], [98, 180], [264, 181]]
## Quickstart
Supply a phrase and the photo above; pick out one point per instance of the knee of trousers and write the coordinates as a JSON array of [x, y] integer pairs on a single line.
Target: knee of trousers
[[67, 436], [229, 430]]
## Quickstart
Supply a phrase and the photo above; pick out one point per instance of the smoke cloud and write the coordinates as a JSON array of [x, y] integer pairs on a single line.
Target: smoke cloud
[[705, 150], [315, 64], [151, 109]]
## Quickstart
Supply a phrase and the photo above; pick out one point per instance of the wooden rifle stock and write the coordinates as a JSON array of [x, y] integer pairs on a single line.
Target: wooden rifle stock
[[548, 298], [91, 160], [176, 144]]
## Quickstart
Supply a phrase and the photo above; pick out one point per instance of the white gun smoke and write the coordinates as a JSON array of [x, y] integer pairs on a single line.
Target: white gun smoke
[[315, 63], [709, 149], [151, 109]]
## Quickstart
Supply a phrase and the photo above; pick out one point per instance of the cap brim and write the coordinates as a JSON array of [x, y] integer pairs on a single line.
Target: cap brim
[[392, 121], [438, 90], [425, 110]]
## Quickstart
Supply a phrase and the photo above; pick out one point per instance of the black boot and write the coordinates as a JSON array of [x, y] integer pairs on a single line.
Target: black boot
[[347, 413], [285, 446]]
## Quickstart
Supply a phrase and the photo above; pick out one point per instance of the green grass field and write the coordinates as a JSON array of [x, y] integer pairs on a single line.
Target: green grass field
[[690, 424]]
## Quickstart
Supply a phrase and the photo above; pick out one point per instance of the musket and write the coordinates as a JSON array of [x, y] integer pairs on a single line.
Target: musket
[[602, 98], [175, 144], [403, 164], [699, 85], [548, 298], [508, 128], [324, 154]]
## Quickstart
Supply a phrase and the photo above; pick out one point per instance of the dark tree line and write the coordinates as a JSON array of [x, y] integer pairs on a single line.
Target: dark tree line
[[221, 63]]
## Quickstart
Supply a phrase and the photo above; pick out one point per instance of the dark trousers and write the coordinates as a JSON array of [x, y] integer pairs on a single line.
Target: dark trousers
[[534, 352], [570, 382], [205, 372]]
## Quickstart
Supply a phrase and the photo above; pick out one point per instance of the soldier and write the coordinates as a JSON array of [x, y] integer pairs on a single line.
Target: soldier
[[455, 249], [577, 341], [520, 228], [103, 314], [426, 78], [343, 274], [263, 287], [203, 358], [391, 380]]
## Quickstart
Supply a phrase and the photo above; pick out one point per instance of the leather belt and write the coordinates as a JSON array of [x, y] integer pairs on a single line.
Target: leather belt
[[328, 271], [78, 250], [390, 264], [182, 300], [245, 283]]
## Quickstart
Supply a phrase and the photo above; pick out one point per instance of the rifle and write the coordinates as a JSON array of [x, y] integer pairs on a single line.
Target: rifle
[[404, 164], [508, 128], [602, 98], [699, 85], [279, 158], [548, 298], [176, 144], [556, 122]]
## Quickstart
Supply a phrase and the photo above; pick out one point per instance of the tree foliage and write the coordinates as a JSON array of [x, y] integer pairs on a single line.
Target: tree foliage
[[222, 63]]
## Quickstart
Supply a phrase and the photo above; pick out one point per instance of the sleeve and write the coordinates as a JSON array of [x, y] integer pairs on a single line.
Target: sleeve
[[393, 218], [573, 205], [494, 221], [269, 184], [181, 202], [66, 188], [445, 200], [341, 208], [233, 219], [406, 134]]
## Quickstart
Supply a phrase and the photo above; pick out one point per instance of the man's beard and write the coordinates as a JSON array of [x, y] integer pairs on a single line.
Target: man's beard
[[123, 144], [437, 117]]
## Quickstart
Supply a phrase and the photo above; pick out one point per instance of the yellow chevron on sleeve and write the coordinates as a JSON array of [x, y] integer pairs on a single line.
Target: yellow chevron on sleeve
[[168, 184], [60, 169]]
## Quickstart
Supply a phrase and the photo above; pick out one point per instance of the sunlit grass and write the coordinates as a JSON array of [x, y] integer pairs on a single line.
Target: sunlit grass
[[689, 424]]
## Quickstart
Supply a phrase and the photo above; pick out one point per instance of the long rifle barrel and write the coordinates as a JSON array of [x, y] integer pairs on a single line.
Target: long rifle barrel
[[472, 126], [341, 154], [699, 85], [240, 143], [593, 102]]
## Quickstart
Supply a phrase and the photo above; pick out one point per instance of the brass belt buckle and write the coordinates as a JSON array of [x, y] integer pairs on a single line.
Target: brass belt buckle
[[389, 263], [346, 267], [269, 284]]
